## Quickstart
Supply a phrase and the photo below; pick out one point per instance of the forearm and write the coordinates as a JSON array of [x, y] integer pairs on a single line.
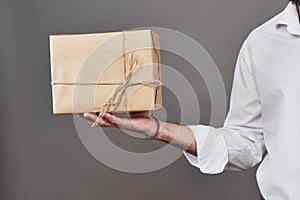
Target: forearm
[[179, 135]]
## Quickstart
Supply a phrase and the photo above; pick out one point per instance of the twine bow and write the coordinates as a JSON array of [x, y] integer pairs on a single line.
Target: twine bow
[[118, 93]]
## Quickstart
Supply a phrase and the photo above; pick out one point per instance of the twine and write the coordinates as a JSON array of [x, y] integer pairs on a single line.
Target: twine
[[119, 91]]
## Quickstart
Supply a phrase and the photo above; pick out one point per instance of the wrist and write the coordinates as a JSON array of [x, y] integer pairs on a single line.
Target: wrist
[[157, 131], [164, 134], [155, 128], [152, 127]]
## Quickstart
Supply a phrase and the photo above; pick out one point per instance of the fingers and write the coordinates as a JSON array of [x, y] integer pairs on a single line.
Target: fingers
[[87, 119], [105, 123], [91, 118], [111, 118]]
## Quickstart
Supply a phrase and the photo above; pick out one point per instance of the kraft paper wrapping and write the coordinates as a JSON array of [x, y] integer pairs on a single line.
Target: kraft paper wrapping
[[87, 69]]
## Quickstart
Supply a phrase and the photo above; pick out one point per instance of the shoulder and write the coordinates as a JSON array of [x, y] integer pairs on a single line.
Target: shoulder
[[267, 29], [258, 38]]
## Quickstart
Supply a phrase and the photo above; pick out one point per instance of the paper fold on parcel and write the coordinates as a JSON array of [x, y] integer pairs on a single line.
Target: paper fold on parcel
[[86, 70]]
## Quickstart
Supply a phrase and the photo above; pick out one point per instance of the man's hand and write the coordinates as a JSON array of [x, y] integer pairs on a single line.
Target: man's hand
[[140, 122]]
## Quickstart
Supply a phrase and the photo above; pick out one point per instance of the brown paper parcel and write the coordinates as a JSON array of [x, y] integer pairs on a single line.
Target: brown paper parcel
[[117, 71]]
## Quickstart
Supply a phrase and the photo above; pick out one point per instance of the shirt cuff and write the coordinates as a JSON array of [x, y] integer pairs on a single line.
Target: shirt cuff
[[212, 153]]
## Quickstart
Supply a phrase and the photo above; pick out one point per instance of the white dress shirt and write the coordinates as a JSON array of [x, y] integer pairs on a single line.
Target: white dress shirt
[[264, 114]]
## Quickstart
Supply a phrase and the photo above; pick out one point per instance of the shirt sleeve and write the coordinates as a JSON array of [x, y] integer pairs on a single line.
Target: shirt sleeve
[[239, 144]]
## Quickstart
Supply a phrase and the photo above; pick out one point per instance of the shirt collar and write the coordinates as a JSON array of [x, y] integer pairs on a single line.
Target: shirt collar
[[289, 18]]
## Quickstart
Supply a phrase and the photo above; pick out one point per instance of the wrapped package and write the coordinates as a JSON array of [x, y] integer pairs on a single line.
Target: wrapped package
[[104, 72]]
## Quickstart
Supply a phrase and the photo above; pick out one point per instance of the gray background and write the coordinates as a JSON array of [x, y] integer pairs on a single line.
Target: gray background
[[42, 156]]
